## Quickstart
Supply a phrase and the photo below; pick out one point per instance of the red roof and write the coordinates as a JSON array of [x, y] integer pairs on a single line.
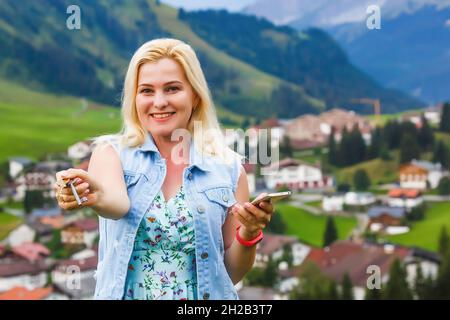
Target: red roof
[[31, 251], [273, 242], [404, 193], [83, 264], [354, 258], [88, 224], [21, 293]]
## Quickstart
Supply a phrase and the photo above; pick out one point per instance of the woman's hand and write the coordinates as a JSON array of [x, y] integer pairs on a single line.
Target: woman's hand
[[88, 190], [252, 218]]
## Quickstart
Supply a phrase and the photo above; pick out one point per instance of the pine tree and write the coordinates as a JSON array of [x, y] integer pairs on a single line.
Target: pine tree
[[347, 288], [397, 287], [442, 287], [333, 293], [422, 285], [330, 234], [286, 148], [361, 180], [409, 149], [332, 149], [444, 242], [425, 135], [372, 294], [441, 154], [445, 118], [376, 144]]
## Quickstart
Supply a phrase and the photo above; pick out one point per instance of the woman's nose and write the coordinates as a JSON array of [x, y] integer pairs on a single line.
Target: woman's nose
[[160, 100]]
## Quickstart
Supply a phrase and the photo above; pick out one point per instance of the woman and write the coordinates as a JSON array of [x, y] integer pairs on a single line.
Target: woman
[[175, 221]]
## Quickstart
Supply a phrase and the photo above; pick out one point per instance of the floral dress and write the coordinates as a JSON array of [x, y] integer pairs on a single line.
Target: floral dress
[[162, 264]]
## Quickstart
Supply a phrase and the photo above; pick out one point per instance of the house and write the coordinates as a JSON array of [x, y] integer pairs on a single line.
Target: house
[[413, 177], [15, 271], [387, 219], [295, 175], [435, 171], [354, 259], [80, 232], [17, 165], [312, 130], [41, 176], [333, 202], [80, 150], [272, 246], [22, 234], [31, 251], [406, 198], [22, 293], [359, 198], [76, 277]]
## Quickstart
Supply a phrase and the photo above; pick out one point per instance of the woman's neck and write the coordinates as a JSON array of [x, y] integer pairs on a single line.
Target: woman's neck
[[170, 149]]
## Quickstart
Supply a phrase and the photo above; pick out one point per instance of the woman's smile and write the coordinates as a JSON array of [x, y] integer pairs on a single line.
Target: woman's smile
[[162, 116]]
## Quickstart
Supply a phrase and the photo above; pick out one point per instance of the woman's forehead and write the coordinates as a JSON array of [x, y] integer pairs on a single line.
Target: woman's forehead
[[161, 72]]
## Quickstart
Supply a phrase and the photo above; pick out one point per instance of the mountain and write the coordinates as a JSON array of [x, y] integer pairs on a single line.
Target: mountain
[[281, 72], [411, 51]]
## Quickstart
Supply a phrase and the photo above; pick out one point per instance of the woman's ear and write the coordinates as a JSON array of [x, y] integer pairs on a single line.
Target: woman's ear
[[196, 102]]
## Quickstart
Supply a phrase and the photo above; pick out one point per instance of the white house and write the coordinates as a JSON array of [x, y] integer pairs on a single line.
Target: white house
[[272, 246], [22, 273], [22, 234], [80, 150], [17, 164], [333, 202], [80, 232], [296, 175], [435, 171], [406, 198], [359, 198]]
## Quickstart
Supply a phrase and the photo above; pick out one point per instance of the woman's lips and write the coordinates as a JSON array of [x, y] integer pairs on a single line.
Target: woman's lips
[[161, 117]]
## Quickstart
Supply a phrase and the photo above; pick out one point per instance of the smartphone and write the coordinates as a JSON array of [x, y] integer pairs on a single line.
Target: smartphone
[[272, 197]]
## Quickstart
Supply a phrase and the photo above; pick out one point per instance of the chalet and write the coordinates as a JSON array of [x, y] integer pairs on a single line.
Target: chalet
[[354, 259], [80, 232], [359, 198], [413, 177], [435, 171], [272, 246], [406, 198], [295, 175], [80, 150], [333, 202], [17, 165], [15, 271], [387, 219]]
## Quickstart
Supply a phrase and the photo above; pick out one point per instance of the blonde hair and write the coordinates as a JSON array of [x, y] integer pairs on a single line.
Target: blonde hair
[[133, 134]]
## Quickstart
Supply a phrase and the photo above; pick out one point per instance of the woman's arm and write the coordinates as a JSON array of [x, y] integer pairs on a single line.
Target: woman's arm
[[238, 258], [105, 168], [102, 188]]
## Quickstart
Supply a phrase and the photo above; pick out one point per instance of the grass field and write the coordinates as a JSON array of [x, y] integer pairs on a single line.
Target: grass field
[[35, 124], [310, 228], [425, 234], [8, 222], [379, 171]]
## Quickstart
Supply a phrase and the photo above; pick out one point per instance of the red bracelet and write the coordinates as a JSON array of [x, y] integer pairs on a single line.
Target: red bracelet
[[249, 243]]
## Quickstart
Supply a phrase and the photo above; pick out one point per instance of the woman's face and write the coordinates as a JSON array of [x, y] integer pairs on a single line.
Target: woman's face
[[164, 97]]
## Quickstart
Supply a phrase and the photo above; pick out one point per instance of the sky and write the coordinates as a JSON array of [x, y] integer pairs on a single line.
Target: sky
[[230, 5]]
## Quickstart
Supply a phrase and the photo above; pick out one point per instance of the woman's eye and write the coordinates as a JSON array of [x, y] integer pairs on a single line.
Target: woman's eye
[[146, 90], [172, 89]]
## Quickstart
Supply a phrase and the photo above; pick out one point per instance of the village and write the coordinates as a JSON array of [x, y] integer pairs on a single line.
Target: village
[[47, 253]]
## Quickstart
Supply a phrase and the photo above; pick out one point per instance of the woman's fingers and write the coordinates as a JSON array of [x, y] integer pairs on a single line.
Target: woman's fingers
[[70, 198], [80, 189]]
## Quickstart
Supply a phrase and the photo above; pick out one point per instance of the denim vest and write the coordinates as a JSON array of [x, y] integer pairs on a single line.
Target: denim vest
[[209, 186]]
